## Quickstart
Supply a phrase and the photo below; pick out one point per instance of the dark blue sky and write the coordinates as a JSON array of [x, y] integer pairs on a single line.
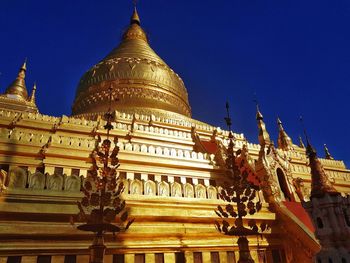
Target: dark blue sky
[[294, 54]]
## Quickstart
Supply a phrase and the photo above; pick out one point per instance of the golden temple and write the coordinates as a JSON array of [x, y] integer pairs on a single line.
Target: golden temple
[[172, 167]]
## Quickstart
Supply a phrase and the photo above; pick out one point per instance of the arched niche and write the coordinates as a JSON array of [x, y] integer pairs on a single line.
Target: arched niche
[[288, 196]]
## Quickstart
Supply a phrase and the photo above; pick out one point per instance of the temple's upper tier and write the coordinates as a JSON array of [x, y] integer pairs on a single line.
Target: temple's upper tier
[[140, 81]]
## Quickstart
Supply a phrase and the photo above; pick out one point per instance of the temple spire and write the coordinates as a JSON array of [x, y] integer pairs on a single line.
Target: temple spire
[[320, 184], [284, 141], [264, 137], [32, 96], [135, 19], [17, 89], [134, 31], [327, 154]]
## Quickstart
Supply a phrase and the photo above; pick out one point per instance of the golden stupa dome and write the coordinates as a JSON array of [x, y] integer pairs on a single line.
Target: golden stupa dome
[[137, 78]]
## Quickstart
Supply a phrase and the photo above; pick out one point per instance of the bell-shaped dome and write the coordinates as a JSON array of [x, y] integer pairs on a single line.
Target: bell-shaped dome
[[139, 80]]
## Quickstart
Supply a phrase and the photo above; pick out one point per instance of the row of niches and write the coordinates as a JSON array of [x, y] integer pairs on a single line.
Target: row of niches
[[165, 189], [164, 151], [20, 178]]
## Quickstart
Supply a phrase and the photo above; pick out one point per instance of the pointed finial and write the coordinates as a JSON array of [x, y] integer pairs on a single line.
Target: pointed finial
[[259, 116], [279, 123], [327, 154], [32, 96], [304, 130], [17, 89], [228, 118], [135, 19], [301, 143], [320, 184], [24, 66], [264, 136], [284, 141]]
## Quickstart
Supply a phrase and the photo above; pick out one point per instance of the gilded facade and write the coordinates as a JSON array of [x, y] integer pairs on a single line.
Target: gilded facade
[[172, 166]]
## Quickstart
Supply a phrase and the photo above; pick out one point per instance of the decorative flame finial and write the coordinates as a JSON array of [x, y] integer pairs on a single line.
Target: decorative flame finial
[[327, 153]]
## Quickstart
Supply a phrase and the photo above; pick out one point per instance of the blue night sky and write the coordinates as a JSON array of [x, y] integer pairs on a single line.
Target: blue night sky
[[294, 54]]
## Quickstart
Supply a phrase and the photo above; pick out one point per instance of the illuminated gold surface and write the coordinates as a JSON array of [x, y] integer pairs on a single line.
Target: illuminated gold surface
[[18, 87], [140, 79], [171, 184]]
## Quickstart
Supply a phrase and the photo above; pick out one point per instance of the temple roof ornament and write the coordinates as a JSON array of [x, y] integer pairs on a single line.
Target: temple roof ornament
[[264, 137], [327, 153], [284, 141], [16, 95], [320, 184], [32, 96], [141, 80], [301, 143], [17, 89], [135, 17]]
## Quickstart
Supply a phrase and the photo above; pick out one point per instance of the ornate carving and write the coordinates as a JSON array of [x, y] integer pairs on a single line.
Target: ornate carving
[[188, 190], [163, 189], [136, 187], [73, 183], [200, 191], [150, 188], [176, 190], [55, 182], [3, 177], [18, 178], [37, 181]]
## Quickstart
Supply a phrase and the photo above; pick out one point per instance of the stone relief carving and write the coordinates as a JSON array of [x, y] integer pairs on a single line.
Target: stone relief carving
[[176, 190], [17, 178], [55, 182], [188, 190], [200, 191], [3, 177], [212, 192], [163, 189], [136, 187], [150, 188], [37, 181], [73, 183]]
